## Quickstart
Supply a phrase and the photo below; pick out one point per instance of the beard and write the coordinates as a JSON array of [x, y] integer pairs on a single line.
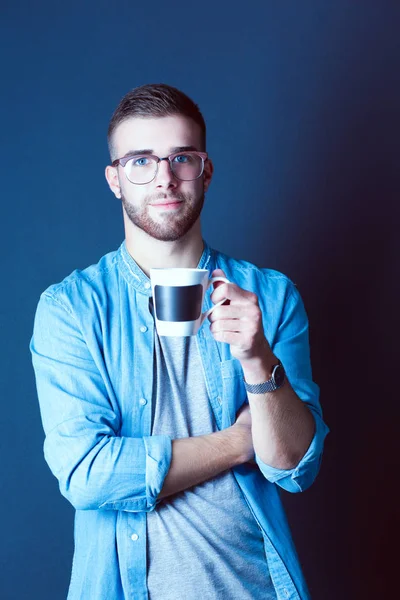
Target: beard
[[174, 224]]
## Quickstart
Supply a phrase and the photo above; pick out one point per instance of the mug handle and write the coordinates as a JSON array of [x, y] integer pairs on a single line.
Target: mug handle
[[209, 311]]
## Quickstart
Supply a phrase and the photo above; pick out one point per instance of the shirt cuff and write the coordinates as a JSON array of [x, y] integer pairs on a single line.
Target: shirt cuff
[[158, 460], [157, 454], [302, 476]]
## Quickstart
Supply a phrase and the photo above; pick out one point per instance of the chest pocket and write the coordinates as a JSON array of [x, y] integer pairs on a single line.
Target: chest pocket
[[233, 389]]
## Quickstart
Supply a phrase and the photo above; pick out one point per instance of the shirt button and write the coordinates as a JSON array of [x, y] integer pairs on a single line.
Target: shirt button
[[286, 592], [147, 285], [143, 329], [143, 401], [134, 537]]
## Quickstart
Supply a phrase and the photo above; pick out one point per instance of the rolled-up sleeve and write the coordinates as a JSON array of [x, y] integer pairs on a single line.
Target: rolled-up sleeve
[[96, 468], [291, 346]]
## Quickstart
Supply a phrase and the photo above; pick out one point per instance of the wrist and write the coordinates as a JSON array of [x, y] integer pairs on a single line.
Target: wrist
[[258, 370]]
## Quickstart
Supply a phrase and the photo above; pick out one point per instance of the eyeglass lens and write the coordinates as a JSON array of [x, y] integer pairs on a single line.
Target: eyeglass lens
[[142, 169]]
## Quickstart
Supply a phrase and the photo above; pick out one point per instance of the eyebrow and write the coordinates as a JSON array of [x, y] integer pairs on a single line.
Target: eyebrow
[[150, 151]]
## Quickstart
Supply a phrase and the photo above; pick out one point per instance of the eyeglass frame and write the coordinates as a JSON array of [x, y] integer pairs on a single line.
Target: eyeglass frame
[[123, 161]]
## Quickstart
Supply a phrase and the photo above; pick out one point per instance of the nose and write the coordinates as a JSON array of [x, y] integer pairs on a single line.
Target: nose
[[165, 176]]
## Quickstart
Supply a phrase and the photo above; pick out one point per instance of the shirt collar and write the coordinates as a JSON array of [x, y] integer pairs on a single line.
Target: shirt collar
[[134, 275]]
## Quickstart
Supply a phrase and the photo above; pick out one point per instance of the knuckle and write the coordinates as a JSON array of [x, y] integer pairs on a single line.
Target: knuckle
[[219, 293], [257, 317], [216, 313], [253, 315], [253, 298]]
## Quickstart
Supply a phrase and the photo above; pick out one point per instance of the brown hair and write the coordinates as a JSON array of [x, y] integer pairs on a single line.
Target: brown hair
[[154, 100]]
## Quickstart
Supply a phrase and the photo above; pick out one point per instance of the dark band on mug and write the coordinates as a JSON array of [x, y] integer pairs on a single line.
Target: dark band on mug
[[178, 303]]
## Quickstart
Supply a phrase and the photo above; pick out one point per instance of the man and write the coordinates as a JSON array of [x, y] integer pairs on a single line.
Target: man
[[172, 449]]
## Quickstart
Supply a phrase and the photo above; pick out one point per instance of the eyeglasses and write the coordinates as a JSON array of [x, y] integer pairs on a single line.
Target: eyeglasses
[[141, 169]]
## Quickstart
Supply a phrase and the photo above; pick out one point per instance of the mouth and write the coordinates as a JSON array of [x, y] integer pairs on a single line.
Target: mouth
[[167, 204]]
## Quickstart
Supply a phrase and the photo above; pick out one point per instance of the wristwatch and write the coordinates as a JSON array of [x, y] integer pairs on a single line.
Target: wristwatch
[[277, 380]]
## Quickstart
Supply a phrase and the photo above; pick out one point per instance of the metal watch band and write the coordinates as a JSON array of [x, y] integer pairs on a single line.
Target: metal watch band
[[266, 386], [260, 388]]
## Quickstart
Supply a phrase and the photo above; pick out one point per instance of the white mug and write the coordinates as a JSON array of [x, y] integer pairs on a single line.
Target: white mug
[[178, 297]]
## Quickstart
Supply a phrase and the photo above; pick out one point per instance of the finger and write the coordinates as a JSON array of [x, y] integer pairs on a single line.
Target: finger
[[218, 273], [234, 293], [228, 312], [246, 330], [228, 325], [229, 337]]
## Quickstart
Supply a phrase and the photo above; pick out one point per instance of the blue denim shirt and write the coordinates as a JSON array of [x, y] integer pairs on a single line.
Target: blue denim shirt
[[92, 352]]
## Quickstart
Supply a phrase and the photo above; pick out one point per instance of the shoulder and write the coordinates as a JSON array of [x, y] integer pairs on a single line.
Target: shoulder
[[254, 278], [81, 283]]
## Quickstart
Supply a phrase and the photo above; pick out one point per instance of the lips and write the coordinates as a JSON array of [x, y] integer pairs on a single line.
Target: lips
[[166, 202]]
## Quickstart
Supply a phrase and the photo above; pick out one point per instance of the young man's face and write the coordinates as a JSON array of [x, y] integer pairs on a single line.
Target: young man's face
[[145, 205]]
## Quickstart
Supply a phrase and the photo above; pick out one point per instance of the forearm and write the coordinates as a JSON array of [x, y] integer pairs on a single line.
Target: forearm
[[282, 425], [197, 459]]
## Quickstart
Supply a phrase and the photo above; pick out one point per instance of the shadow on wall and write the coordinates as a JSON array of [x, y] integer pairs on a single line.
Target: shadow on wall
[[343, 526]]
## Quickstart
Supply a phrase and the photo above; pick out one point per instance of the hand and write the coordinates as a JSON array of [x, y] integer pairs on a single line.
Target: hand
[[242, 426], [239, 323], [243, 417]]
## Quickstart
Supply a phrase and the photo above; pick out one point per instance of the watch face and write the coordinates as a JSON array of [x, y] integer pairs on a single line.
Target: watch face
[[279, 375]]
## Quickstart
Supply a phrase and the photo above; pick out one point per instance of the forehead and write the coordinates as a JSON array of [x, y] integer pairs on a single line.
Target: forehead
[[156, 134]]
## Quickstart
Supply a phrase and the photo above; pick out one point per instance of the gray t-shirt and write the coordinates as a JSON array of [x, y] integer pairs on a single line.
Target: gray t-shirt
[[203, 541]]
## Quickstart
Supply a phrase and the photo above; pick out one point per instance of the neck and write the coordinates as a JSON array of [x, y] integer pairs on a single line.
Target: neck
[[149, 253]]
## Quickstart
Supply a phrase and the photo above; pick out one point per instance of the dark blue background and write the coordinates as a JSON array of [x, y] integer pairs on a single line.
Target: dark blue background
[[302, 104]]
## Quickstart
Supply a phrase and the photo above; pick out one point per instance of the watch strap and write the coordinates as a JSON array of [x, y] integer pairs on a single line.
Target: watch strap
[[266, 386]]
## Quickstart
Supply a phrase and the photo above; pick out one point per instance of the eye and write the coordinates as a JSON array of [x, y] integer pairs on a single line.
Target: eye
[[142, 161], [182, 158]]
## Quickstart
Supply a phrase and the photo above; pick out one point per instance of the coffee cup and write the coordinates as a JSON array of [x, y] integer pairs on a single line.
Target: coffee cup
[[178, 298]]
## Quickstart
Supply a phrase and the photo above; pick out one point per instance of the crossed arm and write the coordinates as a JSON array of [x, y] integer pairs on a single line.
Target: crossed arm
[[197, 459], [279, 429], [97, 468]]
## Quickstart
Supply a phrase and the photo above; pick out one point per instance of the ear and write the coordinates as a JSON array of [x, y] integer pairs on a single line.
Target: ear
[[111, 174], [208, 173]]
